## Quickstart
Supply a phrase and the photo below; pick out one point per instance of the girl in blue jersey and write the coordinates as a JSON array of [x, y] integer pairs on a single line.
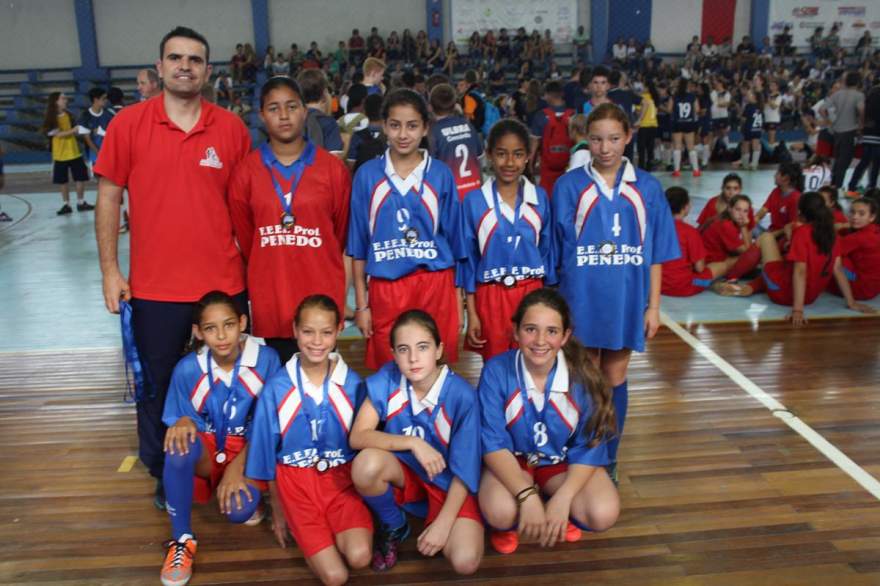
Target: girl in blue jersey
[[211, 399], [685, 124], [546, 413], [613, 230], [507, 233], [299, 443], [752, 127], [427, 452], [405, 233]]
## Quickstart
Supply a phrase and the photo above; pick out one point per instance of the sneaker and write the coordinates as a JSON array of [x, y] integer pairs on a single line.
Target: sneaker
[[65, 209], [676, 173], [504, 542], [84, 206], [257, 517], [572, 533], [4, 217], [385, 547], [159, 496], [177, 569], [697, 173], [853, 194], [123, 228]]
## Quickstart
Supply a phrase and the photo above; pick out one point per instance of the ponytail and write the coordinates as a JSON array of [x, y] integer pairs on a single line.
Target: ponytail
[[812, 208]]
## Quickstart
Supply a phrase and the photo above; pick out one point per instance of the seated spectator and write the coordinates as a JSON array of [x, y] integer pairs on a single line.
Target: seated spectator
[[475, 49], [269, 58], [356, 47], [223, 87], [236, 64], [503, 44], [434, 58], [489, 46], [377, 49], [547, 47], [408, 47], [582, 45], [782, 42], [451, 58], [250, 65], [392, 47], [280, 66], [618, 52], [314, 53], [295, 59], [374, 38]]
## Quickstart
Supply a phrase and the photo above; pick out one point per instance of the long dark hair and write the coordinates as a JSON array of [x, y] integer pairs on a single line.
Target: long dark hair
[[813, 210], [871, 204], [602, 424], [50, 119]]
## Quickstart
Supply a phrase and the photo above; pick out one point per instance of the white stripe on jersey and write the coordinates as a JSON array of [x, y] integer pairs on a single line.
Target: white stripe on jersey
[[442, 425], [529, 214], [343, 407], [377, 198], [586, 201], [431, 203], [200, 393], [396, 402], [513, 410], [566, 409], [289, 408], [815, 177], [488, 224], [251, 381], [632, 195]]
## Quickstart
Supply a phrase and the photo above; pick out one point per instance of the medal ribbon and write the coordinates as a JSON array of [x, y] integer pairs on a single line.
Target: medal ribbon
[[507, 228], [221, 424], [135, 380], [413, 209], [529, 410], [278, 180], [309, 407]]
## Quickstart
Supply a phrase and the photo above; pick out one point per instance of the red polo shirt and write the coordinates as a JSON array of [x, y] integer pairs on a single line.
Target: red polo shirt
[[783, 208], [181, 235], [286, 265]]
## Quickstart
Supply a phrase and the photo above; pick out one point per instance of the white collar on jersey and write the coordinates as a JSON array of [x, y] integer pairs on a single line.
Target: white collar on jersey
[[629, 175], [530, 196], [559, 385], [249, 355], [415, 178], [430, 400], [337, 377]]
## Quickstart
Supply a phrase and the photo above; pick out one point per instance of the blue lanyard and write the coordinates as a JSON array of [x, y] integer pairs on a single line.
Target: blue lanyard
[[615, 197], [413, 209], [221, 426], [136, 388], [529, 409], [508, 228], [309, 407], [268, 158]]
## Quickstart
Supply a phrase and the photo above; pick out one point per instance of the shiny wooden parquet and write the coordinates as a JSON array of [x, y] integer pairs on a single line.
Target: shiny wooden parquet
[[715, 489]]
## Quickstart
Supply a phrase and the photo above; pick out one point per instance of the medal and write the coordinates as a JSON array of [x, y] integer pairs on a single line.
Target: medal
[[533, 460], [322, 465], [411, 236], [607, 248], [509, 281], [287, 220], [220, 457]]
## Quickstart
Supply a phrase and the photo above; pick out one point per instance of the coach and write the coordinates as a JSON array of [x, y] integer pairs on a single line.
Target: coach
[[175, 154]]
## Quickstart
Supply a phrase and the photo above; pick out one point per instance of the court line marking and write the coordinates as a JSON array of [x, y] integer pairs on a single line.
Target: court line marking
[[814, 438], [128, 463], [30, 209]]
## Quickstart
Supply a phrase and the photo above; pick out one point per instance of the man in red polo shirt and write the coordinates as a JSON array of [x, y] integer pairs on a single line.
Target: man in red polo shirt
[[175, 154]]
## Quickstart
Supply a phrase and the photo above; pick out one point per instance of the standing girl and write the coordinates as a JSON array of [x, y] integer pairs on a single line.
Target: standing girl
[[299, 443], [806, 270], [67, 157], [752, 126], [613, 230], [860, 251], [210, 403], [405, 233], [546, 414], [428, 449], [772, 112], [507, 233], [289, 204], [685, 123]]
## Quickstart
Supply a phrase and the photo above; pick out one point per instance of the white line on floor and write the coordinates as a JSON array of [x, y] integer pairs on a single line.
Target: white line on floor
[[826, 448]]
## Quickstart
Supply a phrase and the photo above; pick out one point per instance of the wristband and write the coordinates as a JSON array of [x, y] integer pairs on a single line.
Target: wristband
[[364, 308], [525, 493]]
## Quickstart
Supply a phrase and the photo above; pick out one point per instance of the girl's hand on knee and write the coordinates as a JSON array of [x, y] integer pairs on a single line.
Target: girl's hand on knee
[[434, 537], [180, 435], [557, 512], [532, 518], [230, 489]]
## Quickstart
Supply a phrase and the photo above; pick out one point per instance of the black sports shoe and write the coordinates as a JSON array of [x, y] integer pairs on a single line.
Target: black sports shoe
[[159, 496], [65, 210], [385, 546], [84, 206], [4, 217]]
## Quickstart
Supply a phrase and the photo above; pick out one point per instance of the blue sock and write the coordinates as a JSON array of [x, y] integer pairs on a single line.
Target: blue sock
[[386, 508], [178, 479], [248, 508], [578, 524], [621, 400]]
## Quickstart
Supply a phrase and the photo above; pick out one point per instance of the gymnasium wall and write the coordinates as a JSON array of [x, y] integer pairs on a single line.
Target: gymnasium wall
[[674, 22], [38, 33]]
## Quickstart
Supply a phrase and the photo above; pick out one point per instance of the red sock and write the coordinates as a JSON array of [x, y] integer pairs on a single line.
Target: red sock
[[746, 262], [758, 284]]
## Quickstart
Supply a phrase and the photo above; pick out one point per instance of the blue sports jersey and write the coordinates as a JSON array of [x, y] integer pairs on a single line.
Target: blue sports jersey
[[191, 393], [605, 249], [452, 426], [455, 141], [753, 119], [684, 108], [382, 219], [496, 248], [290, 427], [97, 127], [511, 421]]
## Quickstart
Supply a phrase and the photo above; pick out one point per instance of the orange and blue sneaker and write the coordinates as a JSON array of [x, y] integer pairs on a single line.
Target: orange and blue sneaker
[[177, 569], [504, 542]]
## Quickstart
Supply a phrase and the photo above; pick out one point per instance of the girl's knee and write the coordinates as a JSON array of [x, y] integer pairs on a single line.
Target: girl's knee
[[500, 514], [603, 516], [367, 467], [358, 555], [333, 576], [187, 461], [465, 561]]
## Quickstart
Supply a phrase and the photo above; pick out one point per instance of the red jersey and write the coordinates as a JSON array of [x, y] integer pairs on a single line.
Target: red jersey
[[839, 218], [783, 208], [721, 239], [286, 265], [820, 267], [680, 272], [710, 214], [182, 244], [861, 252]]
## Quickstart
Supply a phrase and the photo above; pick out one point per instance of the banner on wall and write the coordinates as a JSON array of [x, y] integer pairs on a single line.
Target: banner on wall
[[560, 16], [804, 16]]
